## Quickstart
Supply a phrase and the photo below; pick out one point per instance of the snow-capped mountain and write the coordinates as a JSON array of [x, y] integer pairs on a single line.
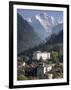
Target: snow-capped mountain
[[38, 29], [46, 21], [43, 24]]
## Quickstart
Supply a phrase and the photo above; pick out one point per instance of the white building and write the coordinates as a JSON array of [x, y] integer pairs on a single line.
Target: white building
[[50, 76], [24, 64], [47, 68], [43, 69], [40, 71], [44, 55]]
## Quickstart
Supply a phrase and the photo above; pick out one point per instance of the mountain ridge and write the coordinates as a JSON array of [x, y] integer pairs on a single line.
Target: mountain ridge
[[44, 25]]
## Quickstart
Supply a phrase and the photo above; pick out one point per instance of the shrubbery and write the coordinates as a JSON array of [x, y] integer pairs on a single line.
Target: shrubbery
[[22, 77]]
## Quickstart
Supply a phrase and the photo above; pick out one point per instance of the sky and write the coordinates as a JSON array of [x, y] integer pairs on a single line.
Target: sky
[[27, 13]]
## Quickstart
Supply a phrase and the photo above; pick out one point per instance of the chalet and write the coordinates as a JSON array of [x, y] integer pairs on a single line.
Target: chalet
[[38, 55]]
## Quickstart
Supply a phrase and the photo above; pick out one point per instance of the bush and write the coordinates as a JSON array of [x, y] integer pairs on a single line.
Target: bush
[[22, 77]]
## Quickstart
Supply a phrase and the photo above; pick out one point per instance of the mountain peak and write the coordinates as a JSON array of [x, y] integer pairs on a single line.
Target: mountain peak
[[46, 21], [29, 20], [43, 24]]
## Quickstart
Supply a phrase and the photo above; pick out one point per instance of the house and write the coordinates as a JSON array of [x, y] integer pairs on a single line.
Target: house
[[20, 66], [49, 68], [38, 55], [50, 76], [24, 64], [42, 69]]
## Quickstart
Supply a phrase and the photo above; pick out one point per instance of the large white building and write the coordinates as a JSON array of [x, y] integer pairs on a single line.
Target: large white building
[[44, 55]]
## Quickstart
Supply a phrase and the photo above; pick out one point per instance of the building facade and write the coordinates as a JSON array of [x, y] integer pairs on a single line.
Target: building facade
[[38, 55]]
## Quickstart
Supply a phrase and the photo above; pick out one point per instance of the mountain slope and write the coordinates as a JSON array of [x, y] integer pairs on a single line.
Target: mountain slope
[[57, 28], [26, 37], [55, 43], [56, 38]]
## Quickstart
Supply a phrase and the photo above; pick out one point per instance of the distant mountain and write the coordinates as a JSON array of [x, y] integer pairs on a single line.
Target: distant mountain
[[26, 37], [36, 30], [42, 24]]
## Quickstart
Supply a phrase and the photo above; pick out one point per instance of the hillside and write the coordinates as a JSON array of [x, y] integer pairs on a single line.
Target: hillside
[[55, 43], [26, 37]]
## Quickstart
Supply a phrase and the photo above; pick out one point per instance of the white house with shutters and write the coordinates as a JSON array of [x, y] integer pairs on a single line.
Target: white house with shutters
[[44, 55]]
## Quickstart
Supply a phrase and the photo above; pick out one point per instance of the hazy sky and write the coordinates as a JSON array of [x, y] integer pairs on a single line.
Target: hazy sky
[[27, 13]]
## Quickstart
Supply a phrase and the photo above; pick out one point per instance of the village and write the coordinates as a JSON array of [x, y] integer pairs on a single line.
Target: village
[[40, 67]]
